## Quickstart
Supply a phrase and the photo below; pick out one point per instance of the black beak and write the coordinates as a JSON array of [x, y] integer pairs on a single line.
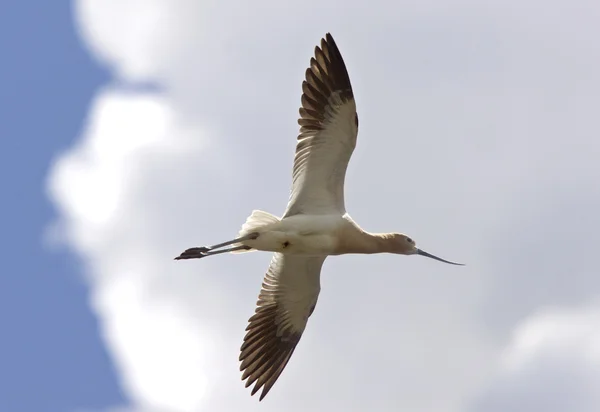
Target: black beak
[[429, 255]]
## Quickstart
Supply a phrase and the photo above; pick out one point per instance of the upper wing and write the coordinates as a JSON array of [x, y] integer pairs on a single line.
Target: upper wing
[[287, 298], [329, 127]]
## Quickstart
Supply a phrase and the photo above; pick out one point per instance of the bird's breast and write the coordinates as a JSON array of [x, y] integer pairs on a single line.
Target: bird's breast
[[303, 235], [320, 244], [294, 243]]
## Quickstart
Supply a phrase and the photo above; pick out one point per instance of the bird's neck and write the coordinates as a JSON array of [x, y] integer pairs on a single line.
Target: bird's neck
[[384, 242], [360, 241]]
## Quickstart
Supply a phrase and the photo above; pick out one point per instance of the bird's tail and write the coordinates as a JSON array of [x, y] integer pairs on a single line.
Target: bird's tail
[[258, 221]]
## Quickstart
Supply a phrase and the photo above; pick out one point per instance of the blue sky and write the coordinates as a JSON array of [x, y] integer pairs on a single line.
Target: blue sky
[[52, 358]]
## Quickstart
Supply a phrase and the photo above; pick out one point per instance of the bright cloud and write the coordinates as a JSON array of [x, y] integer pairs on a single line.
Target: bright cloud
[[105, 220], [552, 364], [131, 36], [479, 118]]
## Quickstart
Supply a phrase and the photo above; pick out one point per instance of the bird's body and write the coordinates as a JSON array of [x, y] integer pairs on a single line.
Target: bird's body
[[315, 224], [310, 235], [314, 235]]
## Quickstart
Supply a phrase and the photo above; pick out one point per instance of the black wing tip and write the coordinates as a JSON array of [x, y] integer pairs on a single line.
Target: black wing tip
[[263, 349], [263, 394], [340, 72], [328, 39], [336, 67], [327, 74]]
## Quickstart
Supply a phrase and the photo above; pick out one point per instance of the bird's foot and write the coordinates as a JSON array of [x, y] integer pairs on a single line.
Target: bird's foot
[[193, 253], [200, 252]]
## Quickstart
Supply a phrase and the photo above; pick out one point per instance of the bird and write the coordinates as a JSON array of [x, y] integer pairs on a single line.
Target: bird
[[315, 224]]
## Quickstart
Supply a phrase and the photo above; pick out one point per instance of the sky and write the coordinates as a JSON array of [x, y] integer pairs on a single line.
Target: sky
[[136, 129], [52, 356]]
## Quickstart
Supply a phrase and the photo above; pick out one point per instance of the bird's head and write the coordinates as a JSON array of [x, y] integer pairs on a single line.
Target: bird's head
[[404, 245]]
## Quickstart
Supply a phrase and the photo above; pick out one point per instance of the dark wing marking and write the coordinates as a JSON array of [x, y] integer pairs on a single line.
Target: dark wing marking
[[287, 298]]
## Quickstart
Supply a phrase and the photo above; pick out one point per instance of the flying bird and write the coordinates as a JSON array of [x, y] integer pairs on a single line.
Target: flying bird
[[315, 223]]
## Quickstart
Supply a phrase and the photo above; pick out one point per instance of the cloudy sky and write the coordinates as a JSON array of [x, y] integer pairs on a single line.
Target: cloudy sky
[[137, 128]]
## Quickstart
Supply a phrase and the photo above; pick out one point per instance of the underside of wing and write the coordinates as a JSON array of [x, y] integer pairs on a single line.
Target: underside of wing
[[287, 298], [328, 131]]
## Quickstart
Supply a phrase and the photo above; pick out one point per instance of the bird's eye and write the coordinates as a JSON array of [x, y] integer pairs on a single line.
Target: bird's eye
[[409, 240]]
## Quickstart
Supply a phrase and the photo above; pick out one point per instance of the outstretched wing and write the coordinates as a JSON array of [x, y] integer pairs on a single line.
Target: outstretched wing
[[287, 298], [329, 127]]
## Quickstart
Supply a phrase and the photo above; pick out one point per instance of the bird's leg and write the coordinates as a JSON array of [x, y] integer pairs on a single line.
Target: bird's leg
[[200, 252], [250, 236]]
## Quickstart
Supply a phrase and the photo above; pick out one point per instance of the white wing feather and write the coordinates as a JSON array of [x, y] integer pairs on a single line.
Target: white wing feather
[[329, 128]]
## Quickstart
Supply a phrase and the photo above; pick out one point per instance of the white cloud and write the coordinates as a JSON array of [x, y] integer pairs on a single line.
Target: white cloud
[[98, 187], [139, 331], [466, 110], [131, 36], [552, 364], [572, 332]]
